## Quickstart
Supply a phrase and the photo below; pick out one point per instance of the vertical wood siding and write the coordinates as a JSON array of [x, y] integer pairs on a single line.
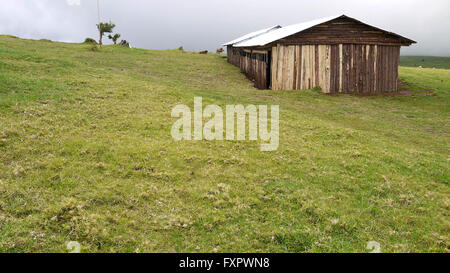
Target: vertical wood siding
[[254, 65], [340, 68]]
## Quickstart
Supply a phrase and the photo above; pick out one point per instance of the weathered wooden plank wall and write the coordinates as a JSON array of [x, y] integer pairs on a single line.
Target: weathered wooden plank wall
[[344, 31], [300, 67], [340, 68], [253, 64]]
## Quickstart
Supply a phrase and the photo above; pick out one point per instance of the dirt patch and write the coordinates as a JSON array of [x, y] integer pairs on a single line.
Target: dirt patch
[[404, 92], [390, 94], [404, 87], [397, 94], [402, 84]]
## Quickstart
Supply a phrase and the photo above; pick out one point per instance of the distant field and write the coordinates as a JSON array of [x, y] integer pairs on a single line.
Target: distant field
[[86, 155], [426, 62]]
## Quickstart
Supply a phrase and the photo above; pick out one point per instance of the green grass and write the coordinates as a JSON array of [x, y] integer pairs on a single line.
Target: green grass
[[425, 62], [86, 155]]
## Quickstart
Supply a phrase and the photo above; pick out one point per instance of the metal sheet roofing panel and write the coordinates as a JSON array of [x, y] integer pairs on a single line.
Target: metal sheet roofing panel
[[252, 35], [280, 33]]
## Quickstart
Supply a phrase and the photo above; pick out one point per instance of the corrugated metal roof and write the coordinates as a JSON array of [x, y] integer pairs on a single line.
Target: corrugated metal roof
[[251, 35], [272, 36], [267, 36]]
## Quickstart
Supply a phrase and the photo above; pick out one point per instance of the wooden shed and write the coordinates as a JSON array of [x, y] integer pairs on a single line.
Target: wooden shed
[[339, 54]]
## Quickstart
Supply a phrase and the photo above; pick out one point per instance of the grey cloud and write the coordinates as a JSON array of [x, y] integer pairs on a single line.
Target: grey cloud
[[205, 24]]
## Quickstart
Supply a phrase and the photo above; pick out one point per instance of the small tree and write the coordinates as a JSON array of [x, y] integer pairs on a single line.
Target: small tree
[[114, 37], [104, 28]]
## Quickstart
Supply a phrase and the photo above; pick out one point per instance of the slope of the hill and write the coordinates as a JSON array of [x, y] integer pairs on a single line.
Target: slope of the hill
[[86, 155]]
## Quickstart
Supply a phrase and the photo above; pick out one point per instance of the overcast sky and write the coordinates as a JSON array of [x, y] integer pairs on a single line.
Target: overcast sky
[[205, 24]]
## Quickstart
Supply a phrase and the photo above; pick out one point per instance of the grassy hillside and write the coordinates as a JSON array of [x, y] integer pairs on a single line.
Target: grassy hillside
[[86, 155], [426, 62]]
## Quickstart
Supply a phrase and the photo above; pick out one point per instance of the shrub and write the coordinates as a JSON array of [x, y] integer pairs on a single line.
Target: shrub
[[90, 41], [95, 48], [317, 89], [114, 37]]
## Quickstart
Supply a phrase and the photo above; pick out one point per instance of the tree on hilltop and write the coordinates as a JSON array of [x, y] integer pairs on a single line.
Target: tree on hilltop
[[105, 28], [114, 37]]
